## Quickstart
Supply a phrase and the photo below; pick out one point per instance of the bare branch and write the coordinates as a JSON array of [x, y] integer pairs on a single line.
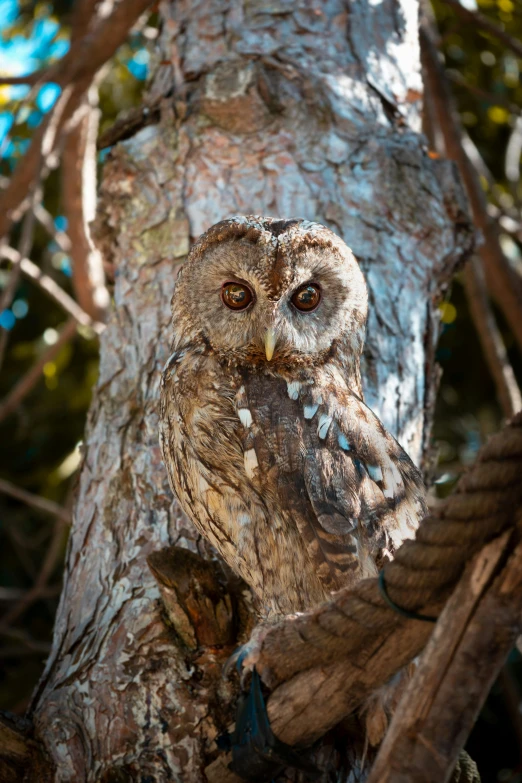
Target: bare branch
[[40, 589], [11, 593], [130, 122], [74, 73], [44, 75], [35, 501], [481, 22], [496, 100], [79, 203], [503, 282], [46, 220], [24, 248], [472, 639], [513, 151], [26, 384], [491, 340], [52, 288]]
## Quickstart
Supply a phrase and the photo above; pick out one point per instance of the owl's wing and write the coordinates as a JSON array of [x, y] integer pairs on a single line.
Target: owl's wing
[[342, 479]]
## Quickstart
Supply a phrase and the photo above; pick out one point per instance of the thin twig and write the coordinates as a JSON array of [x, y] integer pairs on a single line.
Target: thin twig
[[35, 501], [482, 22], [503, 282], [513, 150], [27, 383], [36, 77], [24, 248], [491, 340], [52, 289], [21, 636], [495, 100], [11, 593], [46, 220], [40, 589]]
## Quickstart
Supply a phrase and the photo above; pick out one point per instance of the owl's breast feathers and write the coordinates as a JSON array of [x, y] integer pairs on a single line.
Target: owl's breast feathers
[[296, 482]]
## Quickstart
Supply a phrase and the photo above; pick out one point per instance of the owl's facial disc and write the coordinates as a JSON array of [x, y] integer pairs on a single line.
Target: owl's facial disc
[[256, 304]]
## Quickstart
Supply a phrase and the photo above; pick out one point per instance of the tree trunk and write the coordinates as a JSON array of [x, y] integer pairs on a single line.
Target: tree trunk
[[284, 109]]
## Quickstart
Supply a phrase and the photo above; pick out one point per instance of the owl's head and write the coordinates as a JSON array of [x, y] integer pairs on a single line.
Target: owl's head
[[272, 292]]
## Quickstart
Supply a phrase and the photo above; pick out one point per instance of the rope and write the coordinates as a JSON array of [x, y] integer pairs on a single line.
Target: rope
[[466, 770], [399, 609], [482, 506]]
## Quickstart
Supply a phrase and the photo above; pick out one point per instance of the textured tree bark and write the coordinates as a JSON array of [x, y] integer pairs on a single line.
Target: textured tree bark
[[281, 108]]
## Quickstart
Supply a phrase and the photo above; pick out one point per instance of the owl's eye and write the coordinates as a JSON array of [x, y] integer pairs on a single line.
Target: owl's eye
[[237, 296], [307, 297]]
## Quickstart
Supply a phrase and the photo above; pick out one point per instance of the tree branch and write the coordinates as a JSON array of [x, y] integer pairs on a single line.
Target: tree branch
[[79, 203], [505, 285], [473, 637], [35, 501], [491, 340], [24, 248], [52, 289], [46, 220], [478, 20], [31, 79], [27, 383]]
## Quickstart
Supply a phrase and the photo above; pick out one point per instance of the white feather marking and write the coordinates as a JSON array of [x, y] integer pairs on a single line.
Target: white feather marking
[[174, 357], [324, 425], [392, 480], [343, 441], [375, 472], [310, 411], [245, 417], [293, 389], [251, 462], [203, 484]]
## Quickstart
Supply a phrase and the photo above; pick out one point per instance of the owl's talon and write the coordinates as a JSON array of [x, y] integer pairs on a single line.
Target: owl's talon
[[257, 755], [235, 662], [244, 659]]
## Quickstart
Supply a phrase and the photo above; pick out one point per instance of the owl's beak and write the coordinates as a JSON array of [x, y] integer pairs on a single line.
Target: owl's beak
[[270, 343]]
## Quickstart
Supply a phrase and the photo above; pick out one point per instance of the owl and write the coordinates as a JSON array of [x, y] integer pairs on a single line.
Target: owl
[[269, 446]]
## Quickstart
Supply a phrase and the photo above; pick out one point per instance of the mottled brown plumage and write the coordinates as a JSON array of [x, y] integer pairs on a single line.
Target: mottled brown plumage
[[279, 463]]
